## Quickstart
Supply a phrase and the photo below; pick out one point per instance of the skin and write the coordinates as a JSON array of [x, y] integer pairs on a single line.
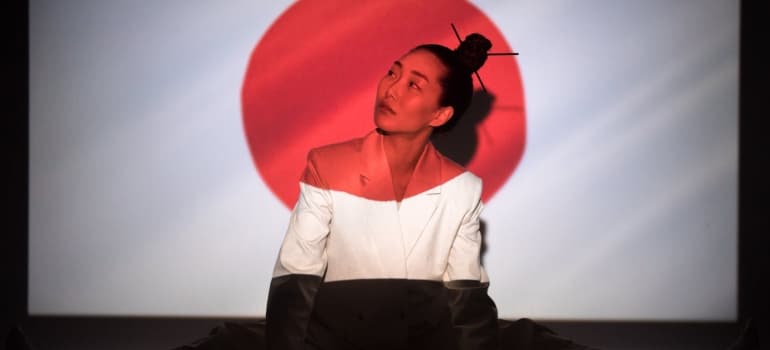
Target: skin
[[407, 110]]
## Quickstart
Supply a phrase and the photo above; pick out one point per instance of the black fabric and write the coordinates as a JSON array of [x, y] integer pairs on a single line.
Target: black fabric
[[525, 334], [289, 305], [381, 314], [393, 314], [522, 334], [16, 340], [232, 336], [474, 315]]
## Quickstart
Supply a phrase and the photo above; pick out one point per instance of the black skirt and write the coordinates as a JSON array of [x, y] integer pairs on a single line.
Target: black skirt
[[382, 314]]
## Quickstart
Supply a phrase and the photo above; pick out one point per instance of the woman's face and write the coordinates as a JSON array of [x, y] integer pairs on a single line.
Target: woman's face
[[408, 95]]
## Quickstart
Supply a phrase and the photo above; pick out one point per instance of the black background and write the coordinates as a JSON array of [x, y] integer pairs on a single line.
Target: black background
[[129, 333]]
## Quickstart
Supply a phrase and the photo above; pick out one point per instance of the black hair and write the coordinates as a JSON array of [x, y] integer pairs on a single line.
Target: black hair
[[460, 63]]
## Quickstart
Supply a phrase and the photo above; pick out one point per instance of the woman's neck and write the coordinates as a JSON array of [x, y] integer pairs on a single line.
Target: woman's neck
[[404, 150]]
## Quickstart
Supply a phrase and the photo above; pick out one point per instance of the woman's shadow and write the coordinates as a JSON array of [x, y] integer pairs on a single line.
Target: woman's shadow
[[459, 140]]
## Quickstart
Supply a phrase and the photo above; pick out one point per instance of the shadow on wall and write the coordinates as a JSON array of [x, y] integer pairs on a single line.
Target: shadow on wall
[[458, 139], [483, 230]]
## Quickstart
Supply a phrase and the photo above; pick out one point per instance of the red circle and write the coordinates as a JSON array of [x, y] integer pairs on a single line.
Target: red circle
[[311, 81]]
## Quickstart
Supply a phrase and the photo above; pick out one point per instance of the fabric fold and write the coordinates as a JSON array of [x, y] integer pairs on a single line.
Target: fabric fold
[[473, 314], [289, 305]]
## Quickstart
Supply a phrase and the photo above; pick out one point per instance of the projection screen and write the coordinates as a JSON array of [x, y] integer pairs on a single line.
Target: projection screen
[[614, 199]]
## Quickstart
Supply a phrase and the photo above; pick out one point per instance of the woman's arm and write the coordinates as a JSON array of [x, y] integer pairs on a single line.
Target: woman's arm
[[301, 264], [474, 314]]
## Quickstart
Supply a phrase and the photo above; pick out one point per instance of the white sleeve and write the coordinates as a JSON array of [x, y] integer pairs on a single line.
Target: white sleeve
[[303, 250], [464, 261]]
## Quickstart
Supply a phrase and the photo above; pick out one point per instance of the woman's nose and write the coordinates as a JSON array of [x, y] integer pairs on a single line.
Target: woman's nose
[[389, 92], [392, 90]]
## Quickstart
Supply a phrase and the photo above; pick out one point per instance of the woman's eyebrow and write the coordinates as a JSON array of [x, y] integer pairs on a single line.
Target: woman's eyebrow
[[415, 72]]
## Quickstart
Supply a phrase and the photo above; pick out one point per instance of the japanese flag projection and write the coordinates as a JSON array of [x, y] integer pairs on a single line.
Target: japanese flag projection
[[167, 140]]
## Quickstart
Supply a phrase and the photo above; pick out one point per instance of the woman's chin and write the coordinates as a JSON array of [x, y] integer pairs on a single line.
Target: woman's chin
[[380, 123]]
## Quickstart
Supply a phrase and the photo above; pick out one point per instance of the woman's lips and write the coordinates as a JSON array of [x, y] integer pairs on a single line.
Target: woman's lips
[[385, 107]]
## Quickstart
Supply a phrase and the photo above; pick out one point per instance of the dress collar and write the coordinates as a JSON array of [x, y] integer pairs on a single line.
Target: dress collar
[[375, 171]]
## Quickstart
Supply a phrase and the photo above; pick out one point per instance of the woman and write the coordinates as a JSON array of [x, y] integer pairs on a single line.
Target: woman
[[383, 245], [382, 249]]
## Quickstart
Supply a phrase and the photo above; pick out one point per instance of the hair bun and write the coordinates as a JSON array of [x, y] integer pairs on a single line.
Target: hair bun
[[472, 51]]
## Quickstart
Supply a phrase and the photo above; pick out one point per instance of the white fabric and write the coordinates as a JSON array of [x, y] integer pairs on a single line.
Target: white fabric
[[431, 236]]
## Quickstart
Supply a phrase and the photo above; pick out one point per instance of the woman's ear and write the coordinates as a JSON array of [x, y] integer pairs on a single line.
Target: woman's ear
[[442, 116]]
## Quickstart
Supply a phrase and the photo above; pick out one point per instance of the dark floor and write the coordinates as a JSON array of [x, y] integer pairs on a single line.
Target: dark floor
[[160, 333]]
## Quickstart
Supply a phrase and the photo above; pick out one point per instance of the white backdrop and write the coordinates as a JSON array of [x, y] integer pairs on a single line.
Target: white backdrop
[[144, 199]]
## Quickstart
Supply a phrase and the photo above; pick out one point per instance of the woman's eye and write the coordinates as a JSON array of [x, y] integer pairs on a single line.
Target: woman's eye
[[414, 85], [391, 73]]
